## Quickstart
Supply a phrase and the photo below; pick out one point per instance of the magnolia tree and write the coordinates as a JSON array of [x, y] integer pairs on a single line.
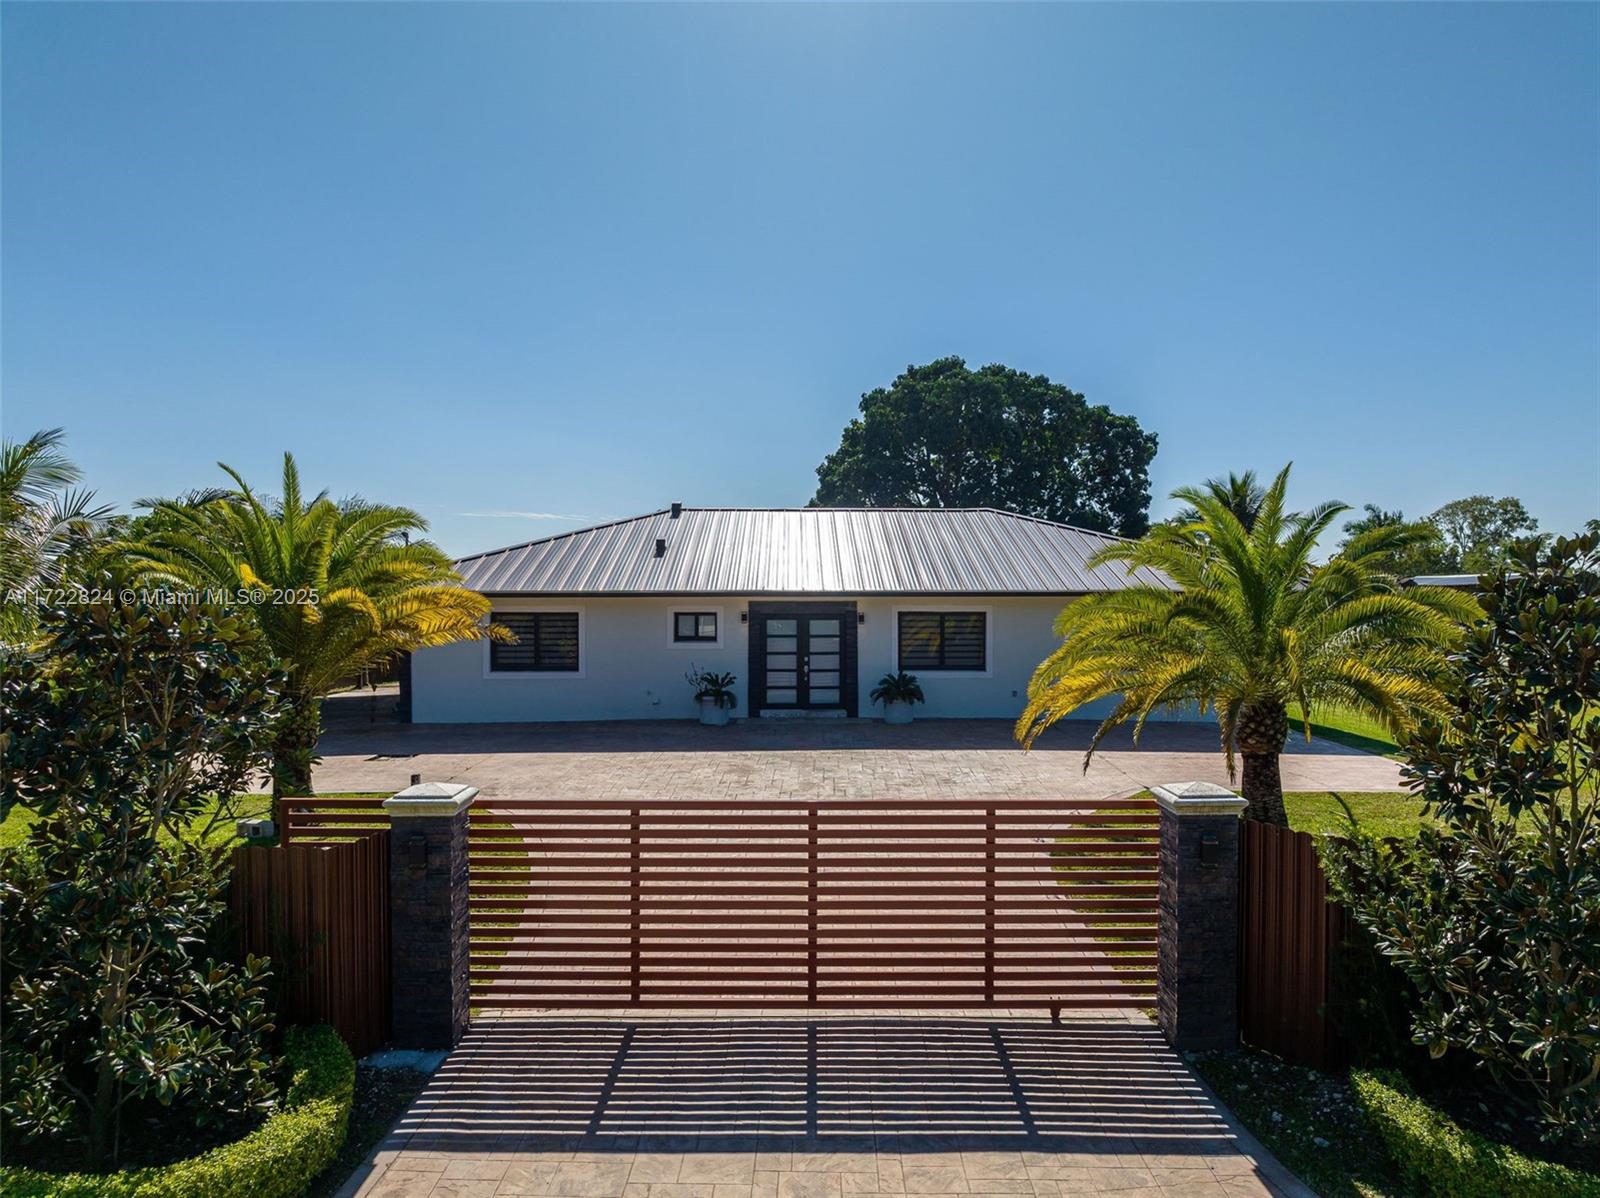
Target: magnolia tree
[[1494, 914], [124, 728]]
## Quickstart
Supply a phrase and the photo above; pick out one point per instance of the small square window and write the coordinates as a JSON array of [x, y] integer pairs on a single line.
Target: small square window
[[694, 626]]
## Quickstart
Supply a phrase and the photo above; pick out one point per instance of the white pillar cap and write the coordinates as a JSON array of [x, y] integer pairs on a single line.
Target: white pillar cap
[[431, 798], [1198, 798]]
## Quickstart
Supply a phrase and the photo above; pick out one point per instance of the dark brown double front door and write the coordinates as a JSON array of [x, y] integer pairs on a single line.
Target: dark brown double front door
[[803, 658]]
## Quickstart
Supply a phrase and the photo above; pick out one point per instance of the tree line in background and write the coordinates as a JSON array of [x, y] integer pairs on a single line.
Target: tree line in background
[[945, 435]]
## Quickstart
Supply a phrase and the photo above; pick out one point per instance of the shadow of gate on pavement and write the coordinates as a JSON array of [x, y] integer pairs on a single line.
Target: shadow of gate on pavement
[[754, 1084]]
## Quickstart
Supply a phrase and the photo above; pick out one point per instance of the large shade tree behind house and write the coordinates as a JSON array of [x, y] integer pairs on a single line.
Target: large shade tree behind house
[[943, 435], [1252, 627], [335, 587]]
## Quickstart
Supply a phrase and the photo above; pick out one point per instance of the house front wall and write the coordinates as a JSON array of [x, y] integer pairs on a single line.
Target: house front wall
[[631, 668]]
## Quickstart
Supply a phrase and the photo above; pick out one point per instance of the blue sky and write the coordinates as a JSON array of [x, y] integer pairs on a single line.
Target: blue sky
[[585, 261]]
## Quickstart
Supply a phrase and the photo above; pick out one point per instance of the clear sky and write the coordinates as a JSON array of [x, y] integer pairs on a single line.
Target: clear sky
[[583, 261]]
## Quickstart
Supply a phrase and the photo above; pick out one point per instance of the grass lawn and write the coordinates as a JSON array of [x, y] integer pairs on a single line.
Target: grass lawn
[[1345, 729], [1382, 814], [1308, 1120], [15, 828]]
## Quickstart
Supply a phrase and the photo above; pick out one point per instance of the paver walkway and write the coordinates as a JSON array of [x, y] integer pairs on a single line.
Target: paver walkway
[[794, 758], [767, 1106]]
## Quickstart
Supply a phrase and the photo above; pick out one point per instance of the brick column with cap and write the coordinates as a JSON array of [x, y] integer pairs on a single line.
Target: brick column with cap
[[428, 913], [1197, 953]]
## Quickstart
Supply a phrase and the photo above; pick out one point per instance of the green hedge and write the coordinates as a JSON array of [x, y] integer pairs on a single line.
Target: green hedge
[[277, 1160], [1443, 1158]]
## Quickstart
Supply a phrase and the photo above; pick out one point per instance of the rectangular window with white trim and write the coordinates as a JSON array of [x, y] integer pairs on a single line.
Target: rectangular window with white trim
[[694, 627]]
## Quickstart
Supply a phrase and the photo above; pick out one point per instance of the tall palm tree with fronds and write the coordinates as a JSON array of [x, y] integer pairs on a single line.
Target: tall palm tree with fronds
[[42, 518], [1242, 494], [1248, 626], [344, 587]]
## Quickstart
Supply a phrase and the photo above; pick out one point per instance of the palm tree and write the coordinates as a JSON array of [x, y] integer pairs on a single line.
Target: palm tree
[[342, 588], [42, 519], [1249, 626], [1242, 494]]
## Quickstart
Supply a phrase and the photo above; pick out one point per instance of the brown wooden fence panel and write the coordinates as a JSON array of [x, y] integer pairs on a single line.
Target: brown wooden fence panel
[[322, 819], [320, 911], [1288, 935], [829, 903]]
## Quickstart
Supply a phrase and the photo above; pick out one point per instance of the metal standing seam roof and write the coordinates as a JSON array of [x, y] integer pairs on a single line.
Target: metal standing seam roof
[[808, 551]]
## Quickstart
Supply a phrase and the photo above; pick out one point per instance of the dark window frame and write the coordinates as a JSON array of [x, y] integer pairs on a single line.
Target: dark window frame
[[524, 639], [943, 616], [716, 621]]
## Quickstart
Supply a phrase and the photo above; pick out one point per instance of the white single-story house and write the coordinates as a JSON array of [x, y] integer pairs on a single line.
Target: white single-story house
[[808, 607]]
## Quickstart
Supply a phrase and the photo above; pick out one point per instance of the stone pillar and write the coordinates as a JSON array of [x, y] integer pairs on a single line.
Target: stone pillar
[[1197, 953], [428, 913]]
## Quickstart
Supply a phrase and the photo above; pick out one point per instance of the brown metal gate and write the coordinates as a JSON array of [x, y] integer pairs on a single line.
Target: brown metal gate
[[836, 903], [320, 912], [1289, 937]]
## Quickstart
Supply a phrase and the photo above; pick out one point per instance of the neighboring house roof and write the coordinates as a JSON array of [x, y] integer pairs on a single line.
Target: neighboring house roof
[[1459, 582], [806, 551]]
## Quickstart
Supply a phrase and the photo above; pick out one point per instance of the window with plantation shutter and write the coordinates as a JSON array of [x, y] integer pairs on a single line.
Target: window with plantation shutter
[[943, 640], [547, 641]]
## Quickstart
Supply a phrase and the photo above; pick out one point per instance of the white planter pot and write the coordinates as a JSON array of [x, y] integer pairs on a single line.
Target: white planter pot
[[712, 715], [896, 712]]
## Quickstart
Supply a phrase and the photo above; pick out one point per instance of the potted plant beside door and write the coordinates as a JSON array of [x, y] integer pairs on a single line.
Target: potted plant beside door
[[897, 692], [714, 693]]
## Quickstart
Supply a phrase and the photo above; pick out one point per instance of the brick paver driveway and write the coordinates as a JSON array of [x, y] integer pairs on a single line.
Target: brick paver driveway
[[784, 758], [768, 1106]]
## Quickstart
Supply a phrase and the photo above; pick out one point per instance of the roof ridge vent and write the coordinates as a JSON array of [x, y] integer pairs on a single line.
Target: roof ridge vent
[[677, 510]]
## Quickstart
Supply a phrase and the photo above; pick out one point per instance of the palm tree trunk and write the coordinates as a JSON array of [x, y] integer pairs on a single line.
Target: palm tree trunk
[[1262, 729], [1263, 789], [294, 750]]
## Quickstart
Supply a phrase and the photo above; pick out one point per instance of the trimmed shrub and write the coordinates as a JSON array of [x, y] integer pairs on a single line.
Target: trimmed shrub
[[277, 1160], [1443, 1158]]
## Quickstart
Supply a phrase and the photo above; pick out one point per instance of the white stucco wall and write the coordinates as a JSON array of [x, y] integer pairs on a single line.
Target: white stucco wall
[[630, 668]]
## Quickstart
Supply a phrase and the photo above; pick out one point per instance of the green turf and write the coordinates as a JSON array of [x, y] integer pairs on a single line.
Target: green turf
[[1382, 814], [251, 806], [15, 828], [1344, 728]]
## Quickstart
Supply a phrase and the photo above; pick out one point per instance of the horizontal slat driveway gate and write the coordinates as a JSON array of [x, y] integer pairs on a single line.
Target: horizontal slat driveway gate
[[840, 903]]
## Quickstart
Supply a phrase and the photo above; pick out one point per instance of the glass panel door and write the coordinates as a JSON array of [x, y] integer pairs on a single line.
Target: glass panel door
[[804, 664], [783, 662], [821, 661]]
